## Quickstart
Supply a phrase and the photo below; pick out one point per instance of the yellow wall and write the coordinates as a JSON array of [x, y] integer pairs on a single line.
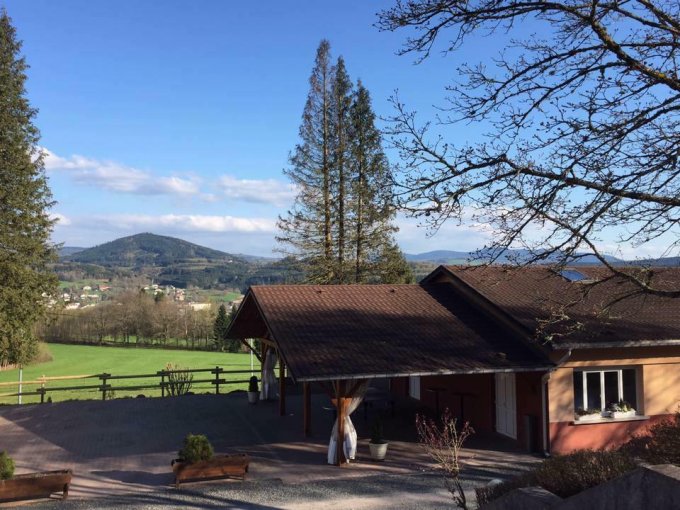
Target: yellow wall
[[658, 378]]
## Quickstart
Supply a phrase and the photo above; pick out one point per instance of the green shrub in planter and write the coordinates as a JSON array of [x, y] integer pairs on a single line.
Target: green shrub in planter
[[196, 448], [252, 385], [6, 466]]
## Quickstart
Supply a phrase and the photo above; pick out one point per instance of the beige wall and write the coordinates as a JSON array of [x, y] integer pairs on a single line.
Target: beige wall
[[658, 378]]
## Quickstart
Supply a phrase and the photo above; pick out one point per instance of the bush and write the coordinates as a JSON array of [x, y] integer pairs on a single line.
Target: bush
[[179, 383], [196, 448], [566, 475], [660, 445], [6, 466], [252, 385]]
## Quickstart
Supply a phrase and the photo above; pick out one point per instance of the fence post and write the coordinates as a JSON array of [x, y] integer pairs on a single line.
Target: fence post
[[104, 377], [217, 380], [162, 374], [42, 394]]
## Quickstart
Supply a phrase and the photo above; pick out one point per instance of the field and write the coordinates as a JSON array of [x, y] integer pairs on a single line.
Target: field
[[70, 360]]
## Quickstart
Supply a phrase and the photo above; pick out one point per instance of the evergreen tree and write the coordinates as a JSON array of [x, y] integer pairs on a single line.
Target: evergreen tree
[[25, 225], [376, 255], [340, 135], [307, 227], [220, 328], [342, 221]]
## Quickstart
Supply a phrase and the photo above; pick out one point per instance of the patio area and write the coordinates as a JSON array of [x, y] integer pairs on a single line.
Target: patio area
[[124, 447]]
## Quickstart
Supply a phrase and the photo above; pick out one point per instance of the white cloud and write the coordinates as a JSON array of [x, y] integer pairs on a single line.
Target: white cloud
[[264, 191], [177, 223], [113, 176], [60, 219]]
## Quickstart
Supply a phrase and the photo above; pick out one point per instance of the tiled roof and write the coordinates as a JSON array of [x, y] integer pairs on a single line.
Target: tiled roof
[[348, 331], [532, 293]]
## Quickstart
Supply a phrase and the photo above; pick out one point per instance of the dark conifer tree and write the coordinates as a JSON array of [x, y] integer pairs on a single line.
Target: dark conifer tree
[[25, 198]]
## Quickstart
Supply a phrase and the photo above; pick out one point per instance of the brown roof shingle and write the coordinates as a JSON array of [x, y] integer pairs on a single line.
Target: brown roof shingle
[[346, 331], [534, 293]]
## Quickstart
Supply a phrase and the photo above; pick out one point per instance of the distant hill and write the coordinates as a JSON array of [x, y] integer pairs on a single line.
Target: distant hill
[[146, 249], [172, 261], [508, 256], [65, 251]]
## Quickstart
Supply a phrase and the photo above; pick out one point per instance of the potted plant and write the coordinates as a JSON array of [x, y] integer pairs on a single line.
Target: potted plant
[[377, 444], [253, 391], [589, 414], [621, 409], [30, 485], [197, 461]]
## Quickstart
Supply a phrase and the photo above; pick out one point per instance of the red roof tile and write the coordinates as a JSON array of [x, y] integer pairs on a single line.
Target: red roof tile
[[348, 331], [534, 293]]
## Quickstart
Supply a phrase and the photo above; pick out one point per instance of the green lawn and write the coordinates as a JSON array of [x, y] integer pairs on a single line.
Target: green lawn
[[89, 360]]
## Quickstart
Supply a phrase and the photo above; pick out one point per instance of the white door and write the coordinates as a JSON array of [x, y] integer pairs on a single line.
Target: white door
[[506, 406], [414, 386]]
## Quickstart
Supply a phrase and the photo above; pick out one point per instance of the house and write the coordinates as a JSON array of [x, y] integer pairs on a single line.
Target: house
[[526, 353]]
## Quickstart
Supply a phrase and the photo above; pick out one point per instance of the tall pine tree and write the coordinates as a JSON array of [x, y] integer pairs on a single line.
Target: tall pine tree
[[25, 225], [307, 227], [342, 221], [376, 255]]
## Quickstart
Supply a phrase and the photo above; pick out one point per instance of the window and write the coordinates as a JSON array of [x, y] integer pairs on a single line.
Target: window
[[598, 389]]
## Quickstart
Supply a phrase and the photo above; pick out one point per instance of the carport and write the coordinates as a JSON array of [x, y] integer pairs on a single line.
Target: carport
[[342, 336]]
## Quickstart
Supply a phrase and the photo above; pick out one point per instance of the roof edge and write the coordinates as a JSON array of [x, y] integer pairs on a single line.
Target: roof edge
[[613, 345], [540, 368]]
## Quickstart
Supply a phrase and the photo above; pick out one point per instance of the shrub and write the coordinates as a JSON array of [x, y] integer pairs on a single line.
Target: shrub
[[443, 443], [196, 448], [377, 432], [179, 383], [566, 475], [252, 385], [660, 445], [6, 466]]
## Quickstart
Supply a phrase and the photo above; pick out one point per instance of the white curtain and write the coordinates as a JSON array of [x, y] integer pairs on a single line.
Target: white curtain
[[349, 443], [269, 382]]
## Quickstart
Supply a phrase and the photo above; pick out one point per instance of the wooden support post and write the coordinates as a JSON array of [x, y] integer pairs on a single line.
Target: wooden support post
[[282, 388], [217, 380], [307, 408], [341, 404]]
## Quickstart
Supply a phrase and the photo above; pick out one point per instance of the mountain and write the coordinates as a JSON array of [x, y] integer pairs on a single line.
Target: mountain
[[508, 256], [172, 261], [147, 250], [65, 251]]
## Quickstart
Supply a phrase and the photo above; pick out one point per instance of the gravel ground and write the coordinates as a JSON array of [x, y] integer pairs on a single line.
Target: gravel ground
[[418, 491]]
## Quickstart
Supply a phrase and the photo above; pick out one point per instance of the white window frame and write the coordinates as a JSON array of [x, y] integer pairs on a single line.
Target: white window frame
[[603, 402]]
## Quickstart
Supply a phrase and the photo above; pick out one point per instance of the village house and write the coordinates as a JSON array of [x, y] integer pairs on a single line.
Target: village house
[[524, 353]]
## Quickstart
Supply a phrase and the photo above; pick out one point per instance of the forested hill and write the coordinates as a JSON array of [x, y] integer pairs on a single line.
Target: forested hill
[[146, 249], [172, 261]]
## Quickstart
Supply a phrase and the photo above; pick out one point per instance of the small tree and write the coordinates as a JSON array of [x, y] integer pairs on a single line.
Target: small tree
[[443, 442], [220, 328]]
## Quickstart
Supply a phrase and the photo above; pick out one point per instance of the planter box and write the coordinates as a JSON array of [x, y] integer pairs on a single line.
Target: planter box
[[35, 485], [623, 414], [589, 417], [220, 466]]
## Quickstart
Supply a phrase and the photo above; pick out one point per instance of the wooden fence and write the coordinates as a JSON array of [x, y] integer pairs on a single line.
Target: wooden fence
[[106, 384]]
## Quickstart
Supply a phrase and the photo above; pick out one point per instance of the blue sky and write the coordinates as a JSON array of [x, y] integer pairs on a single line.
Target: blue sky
[[177, 117]]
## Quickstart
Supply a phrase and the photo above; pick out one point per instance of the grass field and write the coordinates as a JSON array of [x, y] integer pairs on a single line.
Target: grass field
[[88, 360]]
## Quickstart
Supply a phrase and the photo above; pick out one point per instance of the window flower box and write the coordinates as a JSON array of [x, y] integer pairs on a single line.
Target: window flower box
[[616, 415], [588, 415]]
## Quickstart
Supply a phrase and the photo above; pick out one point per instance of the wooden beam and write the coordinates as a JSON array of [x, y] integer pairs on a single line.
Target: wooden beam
[[341, 403], [307, 408], [282, 387]]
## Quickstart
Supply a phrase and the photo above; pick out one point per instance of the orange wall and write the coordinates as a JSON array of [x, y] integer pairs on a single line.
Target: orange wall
[[566, 437], [658, 395]]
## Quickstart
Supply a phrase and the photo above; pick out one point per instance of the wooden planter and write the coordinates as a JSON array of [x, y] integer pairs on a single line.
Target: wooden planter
[[35, 485], [220, 466]]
